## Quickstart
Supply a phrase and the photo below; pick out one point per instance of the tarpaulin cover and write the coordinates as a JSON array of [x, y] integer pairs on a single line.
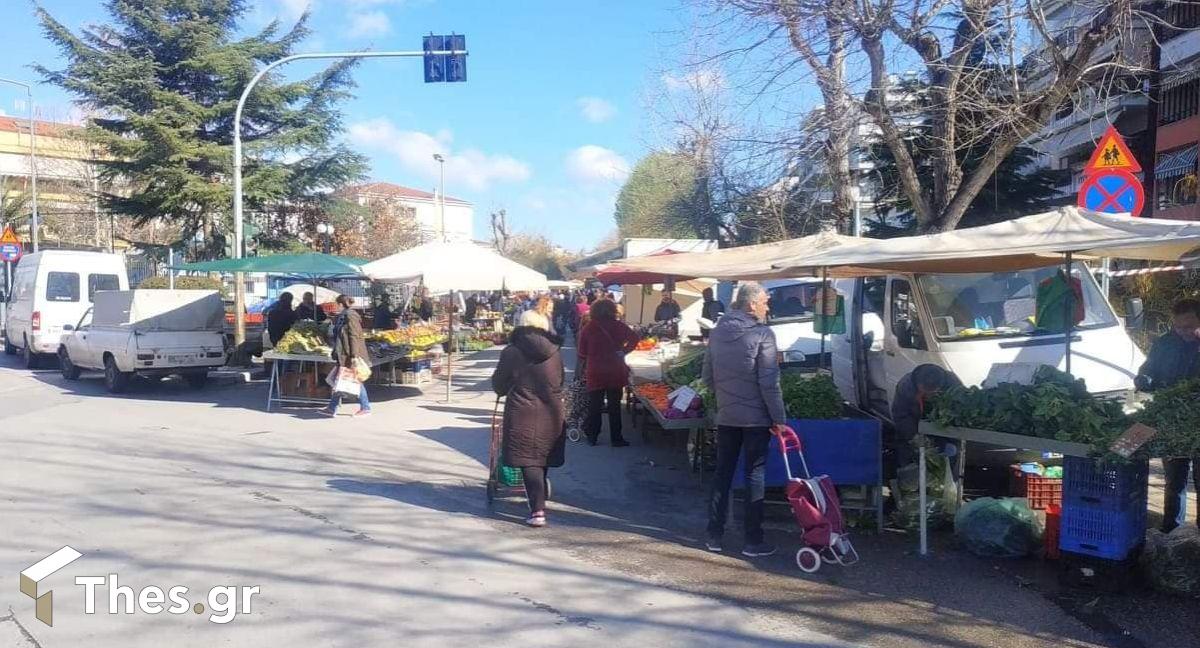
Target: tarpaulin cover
[[159, 310]]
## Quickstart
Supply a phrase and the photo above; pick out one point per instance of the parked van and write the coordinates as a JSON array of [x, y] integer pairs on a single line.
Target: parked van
[[978, 326], [51, 290], [792, 309]]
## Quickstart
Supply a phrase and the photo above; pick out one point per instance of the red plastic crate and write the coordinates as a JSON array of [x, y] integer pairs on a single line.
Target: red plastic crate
[[1053, 527], [1040, 491]]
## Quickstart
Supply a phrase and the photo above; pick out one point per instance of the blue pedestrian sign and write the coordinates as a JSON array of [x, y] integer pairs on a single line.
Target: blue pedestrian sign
[[450, 68]]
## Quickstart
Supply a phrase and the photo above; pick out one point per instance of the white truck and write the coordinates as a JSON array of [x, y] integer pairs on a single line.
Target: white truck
[[979, 326], [51, 290], [791, 318], [152, 333]]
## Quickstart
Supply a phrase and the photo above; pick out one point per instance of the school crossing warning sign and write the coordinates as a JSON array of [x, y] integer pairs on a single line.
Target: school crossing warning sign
[[1112, 154]]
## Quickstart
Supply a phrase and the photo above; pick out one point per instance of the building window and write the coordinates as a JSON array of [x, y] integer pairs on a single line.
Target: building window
[[1175, 177], [1179, 101]]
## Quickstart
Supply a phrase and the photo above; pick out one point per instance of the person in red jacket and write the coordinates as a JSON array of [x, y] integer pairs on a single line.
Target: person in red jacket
[[603, 344]]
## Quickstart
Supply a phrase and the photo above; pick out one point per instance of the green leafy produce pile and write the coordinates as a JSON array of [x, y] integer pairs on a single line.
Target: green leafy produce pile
[[306, 337], [1175, 413], [1055, 406], [686, 369], [810, 396], [706, 394]]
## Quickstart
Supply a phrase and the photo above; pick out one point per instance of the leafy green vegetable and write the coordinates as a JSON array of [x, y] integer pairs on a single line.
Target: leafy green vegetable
[[1055, 406], [686, 368], [1175, 413], [813, 396]]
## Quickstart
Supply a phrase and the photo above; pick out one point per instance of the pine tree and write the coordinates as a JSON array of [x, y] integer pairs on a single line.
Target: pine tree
[[162, 79]]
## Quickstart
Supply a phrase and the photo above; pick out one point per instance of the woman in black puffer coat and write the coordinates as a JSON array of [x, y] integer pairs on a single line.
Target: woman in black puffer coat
[[530, 375]]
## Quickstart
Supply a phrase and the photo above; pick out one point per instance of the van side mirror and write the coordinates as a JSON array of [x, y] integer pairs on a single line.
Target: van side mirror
[[1135, 314]]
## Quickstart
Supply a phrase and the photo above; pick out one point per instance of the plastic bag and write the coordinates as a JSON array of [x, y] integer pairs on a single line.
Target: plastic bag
[[998, 528], [1172, 560]]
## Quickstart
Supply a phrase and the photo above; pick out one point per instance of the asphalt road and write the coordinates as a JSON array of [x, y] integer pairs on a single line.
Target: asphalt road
[[365, 532]]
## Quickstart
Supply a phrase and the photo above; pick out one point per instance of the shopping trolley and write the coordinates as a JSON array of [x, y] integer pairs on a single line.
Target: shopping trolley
[[818, 512]]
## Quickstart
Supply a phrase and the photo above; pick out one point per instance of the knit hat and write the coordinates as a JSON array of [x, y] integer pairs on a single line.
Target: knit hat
[[535, 319]]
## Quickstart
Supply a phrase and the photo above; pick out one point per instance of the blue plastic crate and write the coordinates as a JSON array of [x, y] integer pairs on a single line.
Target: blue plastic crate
[[1100, 532], [1114, 486]]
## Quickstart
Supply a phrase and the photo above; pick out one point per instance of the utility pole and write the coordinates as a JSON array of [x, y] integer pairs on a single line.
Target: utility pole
[[33, 226], [441, 192]]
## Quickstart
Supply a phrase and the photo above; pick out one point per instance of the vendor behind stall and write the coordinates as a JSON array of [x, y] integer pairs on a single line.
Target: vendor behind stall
[[913, 393], [1173, 358], [280, 318], [308, 309], [668, 309], [385, 317]]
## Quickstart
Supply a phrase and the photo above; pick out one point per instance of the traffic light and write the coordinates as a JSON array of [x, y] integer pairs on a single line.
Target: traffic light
[[445, 67], [435, 64], [456, 64]]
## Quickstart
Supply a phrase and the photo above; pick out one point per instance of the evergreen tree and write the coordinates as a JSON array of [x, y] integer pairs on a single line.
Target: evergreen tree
[[656, 200], [162, 79]]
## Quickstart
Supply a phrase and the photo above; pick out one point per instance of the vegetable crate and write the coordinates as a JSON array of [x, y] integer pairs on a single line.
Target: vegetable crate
[[1110, 487], [1102, 533], [1040, 491]]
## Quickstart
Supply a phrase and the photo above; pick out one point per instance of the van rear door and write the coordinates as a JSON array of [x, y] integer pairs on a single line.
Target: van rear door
[[61, 302]]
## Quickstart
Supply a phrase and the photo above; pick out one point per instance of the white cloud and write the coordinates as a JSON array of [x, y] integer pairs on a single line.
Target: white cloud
[[591, 163], [370, 23], [414, 151], [595, 109], [701, 79]]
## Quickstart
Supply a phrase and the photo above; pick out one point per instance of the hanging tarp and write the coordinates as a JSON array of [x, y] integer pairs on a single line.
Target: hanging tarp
[[747, 262], [312, 265]]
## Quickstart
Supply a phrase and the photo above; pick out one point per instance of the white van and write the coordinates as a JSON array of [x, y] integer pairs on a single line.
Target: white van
[[792, 306], [51, 290], [978, 326]]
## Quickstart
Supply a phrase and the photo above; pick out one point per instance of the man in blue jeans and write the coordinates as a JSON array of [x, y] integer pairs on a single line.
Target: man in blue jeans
[[741, 368]]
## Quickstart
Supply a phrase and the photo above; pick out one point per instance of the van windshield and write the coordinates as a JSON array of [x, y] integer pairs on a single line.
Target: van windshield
[[1026, 302], [792, 301]]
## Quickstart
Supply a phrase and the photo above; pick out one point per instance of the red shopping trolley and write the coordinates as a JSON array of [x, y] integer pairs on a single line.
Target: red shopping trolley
[[818, 512]]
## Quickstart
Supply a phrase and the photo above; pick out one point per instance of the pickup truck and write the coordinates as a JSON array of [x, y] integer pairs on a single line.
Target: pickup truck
[[151, 333]]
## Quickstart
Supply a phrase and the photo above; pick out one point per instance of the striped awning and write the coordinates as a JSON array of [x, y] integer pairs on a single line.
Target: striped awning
[[1176, 163]]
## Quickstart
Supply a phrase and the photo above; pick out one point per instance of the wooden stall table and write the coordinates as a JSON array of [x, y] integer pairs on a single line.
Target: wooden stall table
[[695, 428]]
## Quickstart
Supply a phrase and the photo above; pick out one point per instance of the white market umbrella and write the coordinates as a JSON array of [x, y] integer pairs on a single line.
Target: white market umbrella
[[448, 266], [322, 295]]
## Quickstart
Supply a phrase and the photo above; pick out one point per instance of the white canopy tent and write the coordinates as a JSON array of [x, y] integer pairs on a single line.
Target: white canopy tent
[[442, 267], [747, 262]]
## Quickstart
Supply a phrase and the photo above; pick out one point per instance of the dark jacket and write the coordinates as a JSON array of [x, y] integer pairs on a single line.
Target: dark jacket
[[666, 311], [280, 318], [530, 376], [425, 310], [712, 310], [741, 368], [385, 319], [908, 409], [310, 312], [348, 342], [602, 348], [1172, 359]]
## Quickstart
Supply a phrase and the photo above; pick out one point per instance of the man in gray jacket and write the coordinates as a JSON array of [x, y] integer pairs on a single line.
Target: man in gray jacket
[[741, 368]]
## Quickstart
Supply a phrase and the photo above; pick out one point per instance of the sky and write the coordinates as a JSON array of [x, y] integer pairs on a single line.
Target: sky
[[547, 126]]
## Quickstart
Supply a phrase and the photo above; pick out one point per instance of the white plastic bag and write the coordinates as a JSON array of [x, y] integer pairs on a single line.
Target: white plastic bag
[[343, 381]]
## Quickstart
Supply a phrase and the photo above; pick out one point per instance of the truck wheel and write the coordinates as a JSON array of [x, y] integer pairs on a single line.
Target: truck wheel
[[28, 357], [68, 368], [115, 380], [9, 347], [196, 380]]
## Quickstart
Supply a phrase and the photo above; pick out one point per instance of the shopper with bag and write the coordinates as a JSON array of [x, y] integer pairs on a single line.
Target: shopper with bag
[[530, 376], [351, 359], [603, 344]]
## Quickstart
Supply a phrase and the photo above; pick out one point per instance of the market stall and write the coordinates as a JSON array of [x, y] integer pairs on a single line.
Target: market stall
[[446, 268]]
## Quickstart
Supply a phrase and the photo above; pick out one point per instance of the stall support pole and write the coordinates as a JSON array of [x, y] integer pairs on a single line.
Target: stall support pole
[[450, 349], [1069, 307], [923, 499], [824, 309]]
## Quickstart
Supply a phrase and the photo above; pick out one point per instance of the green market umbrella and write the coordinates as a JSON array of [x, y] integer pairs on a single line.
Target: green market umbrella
[[309, 265]]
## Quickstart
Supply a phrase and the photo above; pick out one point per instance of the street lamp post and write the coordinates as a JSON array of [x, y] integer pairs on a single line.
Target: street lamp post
[[33, 226], [441, 192], [240, 289], [326, 230]]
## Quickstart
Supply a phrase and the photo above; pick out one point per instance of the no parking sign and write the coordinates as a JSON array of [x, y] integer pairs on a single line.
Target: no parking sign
[[10, 245], [1110, 185]]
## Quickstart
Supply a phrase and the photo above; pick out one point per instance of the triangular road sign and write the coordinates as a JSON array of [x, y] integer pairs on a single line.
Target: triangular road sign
[[9, 236], [1112, 154]]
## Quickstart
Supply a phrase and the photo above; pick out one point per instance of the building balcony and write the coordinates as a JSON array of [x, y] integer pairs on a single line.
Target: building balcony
[[1182, 47]]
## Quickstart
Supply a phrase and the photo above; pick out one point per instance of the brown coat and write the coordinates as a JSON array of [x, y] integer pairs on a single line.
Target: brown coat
[[350, 342], [530, 375]]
